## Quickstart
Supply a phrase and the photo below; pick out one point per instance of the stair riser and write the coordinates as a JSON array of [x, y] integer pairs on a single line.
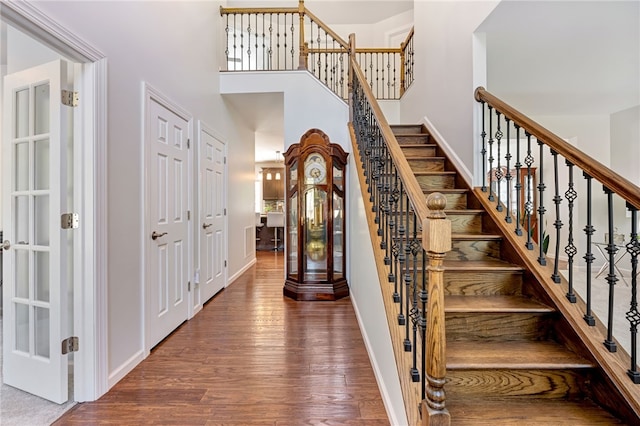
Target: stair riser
[[496, 327], [474, 250], [436, 182], [412, 139], [515, 383], [425, 151], [455, 201], [406, 129], [477, 283], [426, 165], [465, 223]]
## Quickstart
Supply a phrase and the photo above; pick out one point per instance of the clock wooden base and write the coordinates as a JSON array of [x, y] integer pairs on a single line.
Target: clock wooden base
[[316, 291]]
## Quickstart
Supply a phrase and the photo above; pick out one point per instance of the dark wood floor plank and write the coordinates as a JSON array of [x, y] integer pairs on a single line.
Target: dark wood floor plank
[[250, 357]]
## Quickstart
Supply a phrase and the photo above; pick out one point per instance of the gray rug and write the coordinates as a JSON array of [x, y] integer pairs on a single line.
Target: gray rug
[[19, 408]]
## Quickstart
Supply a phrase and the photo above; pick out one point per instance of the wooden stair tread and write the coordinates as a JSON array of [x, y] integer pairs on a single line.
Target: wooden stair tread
[[525, 411], [479, 236], [475, 355], [494, 304], [462, 211], [418, 145], [487, 264], [446, 191], [438, 173], [424, 157]]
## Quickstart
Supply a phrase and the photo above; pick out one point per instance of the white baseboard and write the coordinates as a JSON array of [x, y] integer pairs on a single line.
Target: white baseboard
[[463, 170], [386, 399], [242, 270], [125, 368]]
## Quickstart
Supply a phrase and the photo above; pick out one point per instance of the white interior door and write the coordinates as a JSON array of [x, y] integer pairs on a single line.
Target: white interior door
[[35, 136], [168, 242], [212, 214]]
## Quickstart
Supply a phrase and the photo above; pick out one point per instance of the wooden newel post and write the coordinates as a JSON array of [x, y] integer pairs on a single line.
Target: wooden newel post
[[304, 47], [436, 240]]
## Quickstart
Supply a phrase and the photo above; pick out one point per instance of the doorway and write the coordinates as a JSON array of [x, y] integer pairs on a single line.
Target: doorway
[[21, 24]]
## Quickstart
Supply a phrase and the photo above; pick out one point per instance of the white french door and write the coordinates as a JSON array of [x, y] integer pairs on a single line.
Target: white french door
[[212, 214], [168, 240], [36, 133]]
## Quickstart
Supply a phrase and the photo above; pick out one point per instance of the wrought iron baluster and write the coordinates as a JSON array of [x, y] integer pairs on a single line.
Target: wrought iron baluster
[[588, 257], [395, 248], [271, 41], [528, 160], [235, 41], [499, 173], [226, 45], [401, 251], [407, 274], [509, 176], [416, 248], [242, 66], [249, 42], [278, 41], [518, 185], [265, 62], [557, 223], [285, 45], [633, 316], [491, 140], [484, 150], [423, 324], [611, 279], [293, 42], [570, 249], [395, 79], [541, 209]]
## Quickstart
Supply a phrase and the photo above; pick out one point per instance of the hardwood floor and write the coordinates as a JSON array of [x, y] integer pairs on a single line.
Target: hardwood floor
[[250, 357]]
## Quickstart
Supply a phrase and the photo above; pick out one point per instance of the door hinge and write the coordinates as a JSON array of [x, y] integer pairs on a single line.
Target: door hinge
[[188, 285], [225, 212], [188, 214], [225, 160], [69, 221], [70, 344], [69, 98], [225, 263], [188, 143]]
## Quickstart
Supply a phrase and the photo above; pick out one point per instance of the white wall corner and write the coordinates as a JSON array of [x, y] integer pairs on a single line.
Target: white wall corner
[[124, 369], [244, 269], [463, 170], [479, 49], [398, 419]]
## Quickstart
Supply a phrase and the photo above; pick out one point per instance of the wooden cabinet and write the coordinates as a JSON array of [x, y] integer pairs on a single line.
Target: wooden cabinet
[[272, 189]]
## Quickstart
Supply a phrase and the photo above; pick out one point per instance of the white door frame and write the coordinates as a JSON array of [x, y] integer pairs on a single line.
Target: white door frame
[[152, 94], [90, 190]]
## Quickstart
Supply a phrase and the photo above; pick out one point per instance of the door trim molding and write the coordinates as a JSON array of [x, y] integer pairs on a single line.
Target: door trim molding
[[149, 94], [90, 317]]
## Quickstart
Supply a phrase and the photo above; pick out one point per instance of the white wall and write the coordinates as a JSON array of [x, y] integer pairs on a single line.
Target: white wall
[[379, 34], [443, 86], [307, 102], [366, 297], [173, 46]]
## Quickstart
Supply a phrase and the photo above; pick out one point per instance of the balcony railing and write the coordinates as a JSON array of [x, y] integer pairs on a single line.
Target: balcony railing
[[281, 39]]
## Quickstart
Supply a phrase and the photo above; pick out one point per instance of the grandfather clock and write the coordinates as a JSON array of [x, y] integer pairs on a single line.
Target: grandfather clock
[[315, 212]]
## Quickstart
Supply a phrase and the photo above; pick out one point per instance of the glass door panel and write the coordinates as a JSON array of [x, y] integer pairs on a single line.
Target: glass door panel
[[338, 227], [315, 235]]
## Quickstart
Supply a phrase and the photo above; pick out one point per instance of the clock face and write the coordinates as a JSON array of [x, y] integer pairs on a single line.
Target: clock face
[[315, 170]]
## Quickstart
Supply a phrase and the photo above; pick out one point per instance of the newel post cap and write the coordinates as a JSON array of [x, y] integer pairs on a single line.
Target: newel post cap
[[436, 229]]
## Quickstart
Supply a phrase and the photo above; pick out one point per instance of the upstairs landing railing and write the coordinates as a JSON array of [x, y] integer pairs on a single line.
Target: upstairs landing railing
[[413, 236], [281, 39], [563, 204]]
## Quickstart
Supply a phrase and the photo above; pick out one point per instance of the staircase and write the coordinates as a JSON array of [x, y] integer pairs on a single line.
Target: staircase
[[511, 358]]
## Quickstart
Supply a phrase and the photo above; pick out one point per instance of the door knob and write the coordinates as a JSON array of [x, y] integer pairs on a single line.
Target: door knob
[[155, 235], [206, 225], [5, 245]]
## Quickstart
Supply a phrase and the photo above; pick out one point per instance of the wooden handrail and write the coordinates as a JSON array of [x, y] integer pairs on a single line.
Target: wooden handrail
[[254, 10], [612, 180], [406, 40], [411, 185], [328, 30], [357, 50]]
